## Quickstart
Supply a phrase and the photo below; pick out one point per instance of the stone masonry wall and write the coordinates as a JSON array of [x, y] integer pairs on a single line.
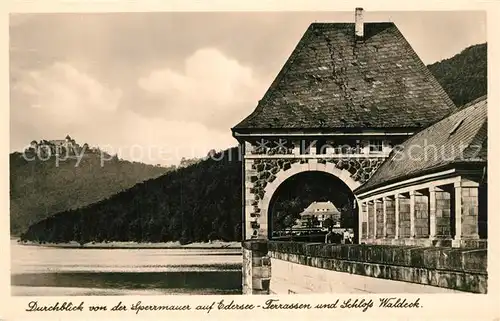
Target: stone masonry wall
[[256, 267]]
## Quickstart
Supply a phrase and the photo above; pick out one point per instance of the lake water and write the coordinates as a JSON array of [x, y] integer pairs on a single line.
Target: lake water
[[49, 271]]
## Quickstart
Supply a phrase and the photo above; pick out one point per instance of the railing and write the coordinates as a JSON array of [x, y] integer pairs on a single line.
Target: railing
[[314, 237]]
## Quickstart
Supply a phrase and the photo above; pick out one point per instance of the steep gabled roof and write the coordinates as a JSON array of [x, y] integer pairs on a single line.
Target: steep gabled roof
[[333, 81], [457, 139]]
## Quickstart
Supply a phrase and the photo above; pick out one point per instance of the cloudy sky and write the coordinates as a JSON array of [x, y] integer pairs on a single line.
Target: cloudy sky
[[155, 87]]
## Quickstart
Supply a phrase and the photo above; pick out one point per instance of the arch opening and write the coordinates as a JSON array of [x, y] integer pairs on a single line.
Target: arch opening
[[308, 205]]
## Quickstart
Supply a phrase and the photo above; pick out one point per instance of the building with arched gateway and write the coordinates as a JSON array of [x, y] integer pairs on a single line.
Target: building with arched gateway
[[356, 105]]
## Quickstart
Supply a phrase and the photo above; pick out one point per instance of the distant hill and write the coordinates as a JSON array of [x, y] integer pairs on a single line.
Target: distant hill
[[196, 203], [463, 76], [199, 202], [41, 188]]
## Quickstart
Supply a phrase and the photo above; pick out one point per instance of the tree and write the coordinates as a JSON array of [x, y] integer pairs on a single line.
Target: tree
[[288, 222], [212, 236], [328, 223]]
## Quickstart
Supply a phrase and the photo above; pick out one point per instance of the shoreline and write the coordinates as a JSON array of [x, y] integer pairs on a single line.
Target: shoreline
[[216, 245]]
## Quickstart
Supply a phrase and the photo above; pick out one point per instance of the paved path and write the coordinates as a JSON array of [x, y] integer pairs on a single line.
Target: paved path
[[289, 278]]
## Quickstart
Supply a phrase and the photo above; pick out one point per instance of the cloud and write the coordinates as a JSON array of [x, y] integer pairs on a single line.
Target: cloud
[[160, 141], [62, 92], [61, 99], [212, 89], [186, 78]]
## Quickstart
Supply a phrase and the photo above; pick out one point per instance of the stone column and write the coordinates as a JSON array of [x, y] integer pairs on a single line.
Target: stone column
[[256, 269], [470, 210], [371, 220], [363, 222], [390, 220], [432, 212], [379, 218], [412, 214], [421, 218], [458, 214], [396, 216], [443, 213], [384, 217], [466, 211], [404, 217]]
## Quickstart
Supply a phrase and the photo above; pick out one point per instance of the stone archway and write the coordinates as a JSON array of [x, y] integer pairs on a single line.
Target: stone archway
[[269, 186], [264, 174], [296, 168]]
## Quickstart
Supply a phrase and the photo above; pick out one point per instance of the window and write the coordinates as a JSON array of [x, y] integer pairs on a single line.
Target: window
[[376, 146], [454, 129]]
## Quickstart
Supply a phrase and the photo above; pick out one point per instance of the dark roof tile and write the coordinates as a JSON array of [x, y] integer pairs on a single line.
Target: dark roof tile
[[379, 82], [458, 138]]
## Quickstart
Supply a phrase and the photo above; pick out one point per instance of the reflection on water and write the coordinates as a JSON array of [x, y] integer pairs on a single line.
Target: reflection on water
[[227, 282], [56, 271]]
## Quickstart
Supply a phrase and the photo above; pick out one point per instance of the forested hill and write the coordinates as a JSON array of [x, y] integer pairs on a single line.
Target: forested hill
[[40, 188], [463, 76], [196, 203]]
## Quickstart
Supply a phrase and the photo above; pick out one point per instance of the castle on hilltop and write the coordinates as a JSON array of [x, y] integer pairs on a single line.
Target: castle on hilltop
[[67, 146]]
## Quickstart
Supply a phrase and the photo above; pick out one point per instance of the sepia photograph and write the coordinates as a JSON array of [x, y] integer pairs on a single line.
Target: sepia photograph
[[248, 153]]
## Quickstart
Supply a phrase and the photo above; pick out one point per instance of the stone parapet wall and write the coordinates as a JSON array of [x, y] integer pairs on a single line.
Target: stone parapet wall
[[422, 242], [452, 268]]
